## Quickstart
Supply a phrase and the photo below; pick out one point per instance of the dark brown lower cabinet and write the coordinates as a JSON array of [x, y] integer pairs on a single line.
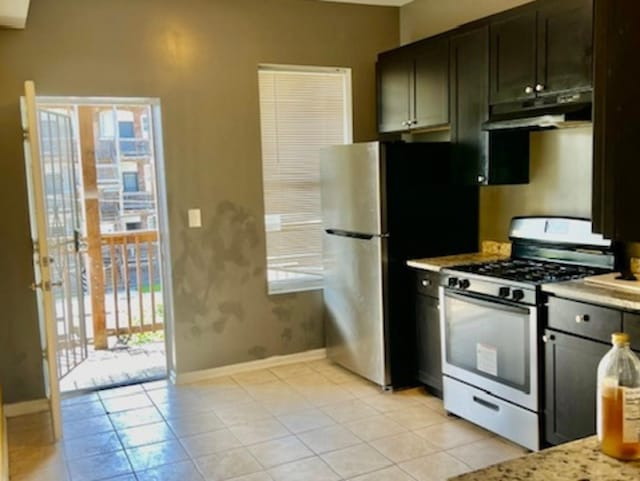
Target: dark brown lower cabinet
[[631, 325], [571, 365], [428, 332]]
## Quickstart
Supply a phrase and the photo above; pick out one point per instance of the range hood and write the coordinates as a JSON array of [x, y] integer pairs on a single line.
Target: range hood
[[551, 112]]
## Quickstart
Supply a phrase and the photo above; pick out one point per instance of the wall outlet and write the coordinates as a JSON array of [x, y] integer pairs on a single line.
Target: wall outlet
[[195, 218]]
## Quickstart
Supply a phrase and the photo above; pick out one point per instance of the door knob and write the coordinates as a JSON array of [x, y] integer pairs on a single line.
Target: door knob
[[528, 89], [539, 88], [426, 282]]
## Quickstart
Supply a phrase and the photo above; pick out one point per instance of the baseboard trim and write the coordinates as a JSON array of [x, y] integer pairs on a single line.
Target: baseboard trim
[[205, 374], [26, 407]]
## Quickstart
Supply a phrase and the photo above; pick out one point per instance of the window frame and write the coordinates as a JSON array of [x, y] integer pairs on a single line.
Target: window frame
[[283, 286]]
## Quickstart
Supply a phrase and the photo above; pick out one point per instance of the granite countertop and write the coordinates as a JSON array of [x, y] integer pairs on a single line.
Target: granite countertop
[[576, 461], [436, 264], [580, 290]]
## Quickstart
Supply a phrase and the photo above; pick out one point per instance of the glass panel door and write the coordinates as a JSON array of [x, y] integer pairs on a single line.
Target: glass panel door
[[42, 260], [61, 186]]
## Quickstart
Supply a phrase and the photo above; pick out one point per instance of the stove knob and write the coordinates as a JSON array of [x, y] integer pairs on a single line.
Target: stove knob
[[517, 295], [464, 284], [504, 292], [453, 282]]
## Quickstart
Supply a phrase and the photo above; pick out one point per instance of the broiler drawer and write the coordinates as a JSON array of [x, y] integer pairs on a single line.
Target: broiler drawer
[[582, 319]]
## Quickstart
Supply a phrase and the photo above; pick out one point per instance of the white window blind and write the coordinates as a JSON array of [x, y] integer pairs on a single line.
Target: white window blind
[[301, 111]]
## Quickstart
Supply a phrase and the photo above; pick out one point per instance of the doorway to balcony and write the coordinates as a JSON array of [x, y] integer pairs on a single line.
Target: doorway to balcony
[[115, 334]]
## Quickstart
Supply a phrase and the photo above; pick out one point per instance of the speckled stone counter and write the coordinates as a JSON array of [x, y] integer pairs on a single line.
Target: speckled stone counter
[[491, 251], [580, 290], [438, 263], [576, 461]]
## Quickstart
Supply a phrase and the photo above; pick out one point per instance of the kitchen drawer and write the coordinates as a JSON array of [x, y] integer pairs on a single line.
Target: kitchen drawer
[[583, 319], [427, 283], [631, 325], [508, 420]]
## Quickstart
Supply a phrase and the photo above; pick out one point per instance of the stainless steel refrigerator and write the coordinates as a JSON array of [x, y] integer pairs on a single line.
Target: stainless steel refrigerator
[[382, 204]]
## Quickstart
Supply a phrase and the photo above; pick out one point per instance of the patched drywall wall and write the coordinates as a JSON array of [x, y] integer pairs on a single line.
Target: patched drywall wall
[[200, 57]]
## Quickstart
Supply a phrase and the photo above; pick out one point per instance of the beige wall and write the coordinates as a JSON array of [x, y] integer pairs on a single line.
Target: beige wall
[[560, 183], [200, 58], [424, 18]]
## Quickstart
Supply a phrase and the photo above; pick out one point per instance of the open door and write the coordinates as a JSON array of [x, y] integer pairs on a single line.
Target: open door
[[58, 268]]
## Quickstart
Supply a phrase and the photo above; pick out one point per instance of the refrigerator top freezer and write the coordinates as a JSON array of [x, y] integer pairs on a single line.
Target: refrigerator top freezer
[[351, 180]]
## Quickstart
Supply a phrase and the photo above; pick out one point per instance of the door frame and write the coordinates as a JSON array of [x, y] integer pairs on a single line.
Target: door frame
[[162, 205]]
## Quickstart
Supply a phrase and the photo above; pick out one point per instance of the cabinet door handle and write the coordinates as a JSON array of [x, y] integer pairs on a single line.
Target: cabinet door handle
[[414, 122], [481, 179], [539, 88], [426, 282], [548, 338], [582, 318], [528, 89]]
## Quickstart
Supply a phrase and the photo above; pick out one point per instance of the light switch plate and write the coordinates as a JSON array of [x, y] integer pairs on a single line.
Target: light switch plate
[[195, 219]]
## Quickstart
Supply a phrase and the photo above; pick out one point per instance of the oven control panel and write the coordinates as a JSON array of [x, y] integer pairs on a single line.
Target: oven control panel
[[513, 292]]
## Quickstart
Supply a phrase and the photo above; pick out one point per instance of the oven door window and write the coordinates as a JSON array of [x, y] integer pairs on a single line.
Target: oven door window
[[487, 338]]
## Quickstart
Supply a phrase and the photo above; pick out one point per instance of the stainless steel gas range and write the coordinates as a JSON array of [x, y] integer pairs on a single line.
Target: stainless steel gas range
[[492, 316]]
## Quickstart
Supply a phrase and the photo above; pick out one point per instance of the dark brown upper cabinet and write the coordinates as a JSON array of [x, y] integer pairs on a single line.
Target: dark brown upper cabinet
[[616, 168], [565, 46], [541, 49], [413, 86], [432, 83], [513, 57], [472, 147], [395, 81]]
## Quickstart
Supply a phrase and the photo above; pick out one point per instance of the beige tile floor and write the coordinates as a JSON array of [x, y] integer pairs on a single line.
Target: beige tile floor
[[302, 422]]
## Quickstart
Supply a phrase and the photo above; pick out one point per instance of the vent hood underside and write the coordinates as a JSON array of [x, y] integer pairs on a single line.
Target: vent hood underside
[[566, 111]]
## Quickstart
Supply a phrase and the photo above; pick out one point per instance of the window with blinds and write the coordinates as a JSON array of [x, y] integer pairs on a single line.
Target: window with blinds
[[301, 111]]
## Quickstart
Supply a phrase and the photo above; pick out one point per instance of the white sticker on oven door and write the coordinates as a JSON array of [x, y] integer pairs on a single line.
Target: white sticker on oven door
[[487, 359]]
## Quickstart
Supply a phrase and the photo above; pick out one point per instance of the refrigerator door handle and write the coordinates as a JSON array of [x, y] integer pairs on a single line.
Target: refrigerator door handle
[[353, 235]]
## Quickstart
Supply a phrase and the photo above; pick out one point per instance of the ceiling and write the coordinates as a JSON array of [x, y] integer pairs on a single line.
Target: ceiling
[[13, 13], [388, 3]]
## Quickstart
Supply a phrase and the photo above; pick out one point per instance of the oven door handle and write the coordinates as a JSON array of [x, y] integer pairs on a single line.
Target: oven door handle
[[490, 304]]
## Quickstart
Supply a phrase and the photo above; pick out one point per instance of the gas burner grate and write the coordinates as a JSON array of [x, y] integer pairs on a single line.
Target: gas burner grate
[[530, 271]]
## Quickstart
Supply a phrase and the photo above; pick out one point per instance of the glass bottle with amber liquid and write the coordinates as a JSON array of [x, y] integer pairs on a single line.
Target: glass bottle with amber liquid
[[619, 400]]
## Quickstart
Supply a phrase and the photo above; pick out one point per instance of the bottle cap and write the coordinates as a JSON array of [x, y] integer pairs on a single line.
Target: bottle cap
[[619, 338]]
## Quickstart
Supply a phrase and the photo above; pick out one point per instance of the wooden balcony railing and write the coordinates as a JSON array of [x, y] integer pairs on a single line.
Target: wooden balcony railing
[[132, 282]]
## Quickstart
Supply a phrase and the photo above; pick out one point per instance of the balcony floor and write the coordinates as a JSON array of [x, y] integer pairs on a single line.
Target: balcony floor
[[119, 365]]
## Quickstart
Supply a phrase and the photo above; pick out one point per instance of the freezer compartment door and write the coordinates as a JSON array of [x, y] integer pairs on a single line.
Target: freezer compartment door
[[350, 188], [353, 297]]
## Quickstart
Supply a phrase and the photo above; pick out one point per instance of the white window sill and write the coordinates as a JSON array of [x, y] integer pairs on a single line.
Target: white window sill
[[287, 287]]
